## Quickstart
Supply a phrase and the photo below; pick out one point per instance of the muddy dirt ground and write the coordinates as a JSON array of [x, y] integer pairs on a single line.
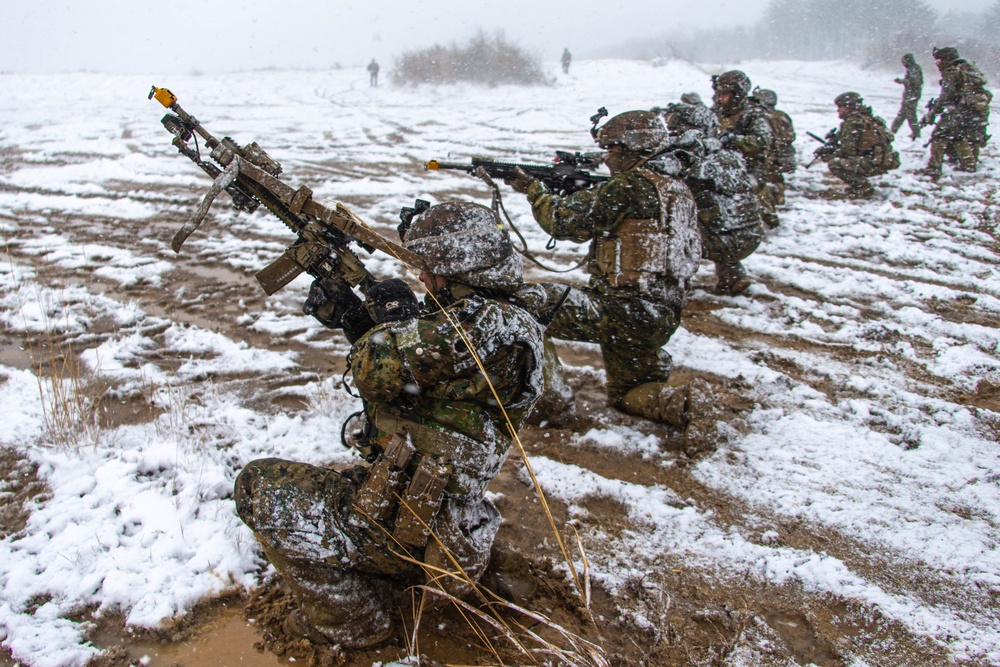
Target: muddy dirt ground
[[692, 616]]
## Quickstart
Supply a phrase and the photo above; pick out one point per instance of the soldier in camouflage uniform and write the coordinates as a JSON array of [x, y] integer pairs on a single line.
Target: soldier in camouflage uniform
[[349, 544], [644, 248], [964, 110], [861, 148], [728, 212], [745, 128], [782, 158], [913, 85]]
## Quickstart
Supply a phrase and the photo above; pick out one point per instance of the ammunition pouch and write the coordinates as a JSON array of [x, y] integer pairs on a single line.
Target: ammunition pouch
[[377, 496], [421, 502], [638, 246], [405, 486]]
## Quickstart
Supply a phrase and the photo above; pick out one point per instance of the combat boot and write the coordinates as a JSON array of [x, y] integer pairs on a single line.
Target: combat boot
[[509, 575], [935, 161], [658, 401], [731, 279]]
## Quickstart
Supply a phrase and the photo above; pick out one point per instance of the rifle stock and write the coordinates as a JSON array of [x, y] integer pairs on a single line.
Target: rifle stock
[[250, 176]]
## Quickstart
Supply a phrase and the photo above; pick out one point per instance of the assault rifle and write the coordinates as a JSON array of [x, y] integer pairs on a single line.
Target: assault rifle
[[829, 142], [250, 176], [567, 174], [932, 111]]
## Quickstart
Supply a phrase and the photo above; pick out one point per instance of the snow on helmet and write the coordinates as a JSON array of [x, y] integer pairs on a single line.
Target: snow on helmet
[[466, 242], [946, 54], [637, 131], [735, 82], [767, 97], [850, 100]]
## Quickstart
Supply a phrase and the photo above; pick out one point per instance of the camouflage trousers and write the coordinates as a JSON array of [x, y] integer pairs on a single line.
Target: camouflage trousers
[[908, 114], [630, 329], [854, 171], [341, 567], [768, 205], [727, 249]]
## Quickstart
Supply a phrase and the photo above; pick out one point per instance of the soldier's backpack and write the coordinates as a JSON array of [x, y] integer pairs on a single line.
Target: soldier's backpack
[[877, 143], [974, 95], [783, 154]]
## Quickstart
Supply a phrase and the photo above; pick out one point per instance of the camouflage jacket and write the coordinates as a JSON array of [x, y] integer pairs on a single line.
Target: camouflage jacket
[[913, 84], [636, 220], [963, 91], [752, 136], [864, 137], [421, 371]]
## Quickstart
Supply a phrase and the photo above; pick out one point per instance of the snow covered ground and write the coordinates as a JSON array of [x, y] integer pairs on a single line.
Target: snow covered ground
[[870, 345]]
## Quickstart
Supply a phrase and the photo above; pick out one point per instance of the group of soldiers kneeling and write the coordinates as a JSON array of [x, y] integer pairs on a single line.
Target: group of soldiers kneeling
[[446, 385]]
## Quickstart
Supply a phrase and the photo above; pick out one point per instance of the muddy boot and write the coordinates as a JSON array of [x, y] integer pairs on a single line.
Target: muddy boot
[[508, 575], [935, 161], [657, 401], [731, 278]]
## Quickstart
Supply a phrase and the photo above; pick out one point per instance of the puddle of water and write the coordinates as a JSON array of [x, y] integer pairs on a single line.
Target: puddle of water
[[226, 641], [15, 357]]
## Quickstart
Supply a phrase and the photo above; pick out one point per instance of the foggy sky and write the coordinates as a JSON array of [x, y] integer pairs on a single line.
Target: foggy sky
[[184, 36]]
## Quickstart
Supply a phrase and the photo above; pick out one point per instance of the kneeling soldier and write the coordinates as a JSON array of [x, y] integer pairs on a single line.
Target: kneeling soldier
[[350, 544]]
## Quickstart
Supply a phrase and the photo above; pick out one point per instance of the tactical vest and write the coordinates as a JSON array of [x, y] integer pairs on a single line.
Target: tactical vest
[[638, 251]]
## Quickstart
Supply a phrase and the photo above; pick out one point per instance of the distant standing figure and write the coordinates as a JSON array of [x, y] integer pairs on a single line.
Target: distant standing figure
[[566, 59], [373, 73], [913, 84]]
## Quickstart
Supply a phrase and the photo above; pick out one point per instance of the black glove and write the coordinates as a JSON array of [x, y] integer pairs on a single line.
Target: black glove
[[328, 300], [727, 139], [392, 301]]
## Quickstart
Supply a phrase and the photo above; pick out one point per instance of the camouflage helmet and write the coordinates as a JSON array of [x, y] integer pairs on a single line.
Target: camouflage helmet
[[734, 81], [849, 100], [681, 117], [691, 98], [465, 242], [946, 54], [767, 97], [637, 131], [908, 59]]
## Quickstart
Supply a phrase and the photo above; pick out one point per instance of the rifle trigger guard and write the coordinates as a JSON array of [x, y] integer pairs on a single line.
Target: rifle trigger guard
[[222, 181]]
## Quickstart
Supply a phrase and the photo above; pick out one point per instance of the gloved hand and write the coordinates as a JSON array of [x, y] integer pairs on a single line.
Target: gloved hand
[[520, 182], [328, 300], [392, 301], [727, 139]]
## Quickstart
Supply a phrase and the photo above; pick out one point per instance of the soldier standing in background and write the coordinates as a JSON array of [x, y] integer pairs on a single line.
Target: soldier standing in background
[[644, 248], [913, 85], [964, 110], [782, 158], [350, 544], [565, 60], [373, 73], [860, 149], [745, 128]]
